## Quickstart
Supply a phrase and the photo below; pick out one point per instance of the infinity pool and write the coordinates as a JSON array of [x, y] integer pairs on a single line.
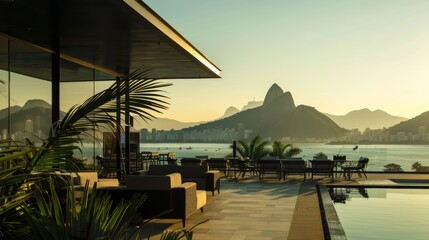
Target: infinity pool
[[376, 213]]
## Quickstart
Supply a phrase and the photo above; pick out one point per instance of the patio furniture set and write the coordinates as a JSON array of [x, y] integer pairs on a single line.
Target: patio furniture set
[[233, 168], [173, 191]]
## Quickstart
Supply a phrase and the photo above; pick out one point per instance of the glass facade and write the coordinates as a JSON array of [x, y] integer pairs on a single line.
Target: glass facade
[[72, 93], [25, 88], [26, 94]]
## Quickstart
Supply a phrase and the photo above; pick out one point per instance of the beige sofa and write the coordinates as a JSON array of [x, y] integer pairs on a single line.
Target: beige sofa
[[166, 193], [92, 177], [80, 179], [208, 180]]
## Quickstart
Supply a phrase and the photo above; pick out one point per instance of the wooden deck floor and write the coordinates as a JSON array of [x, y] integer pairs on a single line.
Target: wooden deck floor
[[269, 209]]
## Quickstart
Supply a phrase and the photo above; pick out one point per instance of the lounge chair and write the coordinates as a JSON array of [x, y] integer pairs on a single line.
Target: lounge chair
[[220, 164], [292, 166], [191, 161], [269, 165], [357, 166], [322, 167]]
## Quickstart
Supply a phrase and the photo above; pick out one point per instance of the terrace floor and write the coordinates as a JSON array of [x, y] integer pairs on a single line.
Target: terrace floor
[[270, 209]]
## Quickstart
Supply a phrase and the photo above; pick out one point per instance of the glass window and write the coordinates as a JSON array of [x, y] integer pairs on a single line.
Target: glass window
[[75, 92]]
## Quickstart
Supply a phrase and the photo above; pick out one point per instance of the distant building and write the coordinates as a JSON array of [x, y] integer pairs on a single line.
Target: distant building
[[144, 135], [4, 134], [240, 131], [154, 133], [422, 133], [28, 127]]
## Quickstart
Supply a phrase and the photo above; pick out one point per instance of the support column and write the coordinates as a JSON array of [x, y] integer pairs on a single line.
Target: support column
[[127, 126], [118, 132], [55, 58]]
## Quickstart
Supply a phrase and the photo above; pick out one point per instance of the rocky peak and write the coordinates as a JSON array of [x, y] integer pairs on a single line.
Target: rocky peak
[[230, 111], [32, 103], [274, 92]]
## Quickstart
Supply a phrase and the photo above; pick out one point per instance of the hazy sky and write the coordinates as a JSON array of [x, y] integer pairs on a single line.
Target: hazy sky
[[337, 56]]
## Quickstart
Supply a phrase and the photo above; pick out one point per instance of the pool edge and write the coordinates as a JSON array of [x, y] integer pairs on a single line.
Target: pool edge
[[332, 227]]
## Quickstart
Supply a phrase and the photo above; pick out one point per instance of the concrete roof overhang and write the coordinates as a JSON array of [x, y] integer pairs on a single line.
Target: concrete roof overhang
[[109, 37]]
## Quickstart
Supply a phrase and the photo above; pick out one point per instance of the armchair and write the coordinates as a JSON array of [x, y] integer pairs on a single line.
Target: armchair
[[358, 167]]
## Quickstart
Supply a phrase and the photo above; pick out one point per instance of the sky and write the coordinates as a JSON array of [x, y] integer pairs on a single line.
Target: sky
[[336, 56]]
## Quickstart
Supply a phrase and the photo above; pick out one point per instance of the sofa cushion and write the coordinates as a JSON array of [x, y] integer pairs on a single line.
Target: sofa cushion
[[200, 181], [201, 198], [153, 182], [190, 171], [107, 182], [163, 169]]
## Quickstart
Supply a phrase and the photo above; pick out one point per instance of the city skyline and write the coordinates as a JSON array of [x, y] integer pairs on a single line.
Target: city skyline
[[336, 56]]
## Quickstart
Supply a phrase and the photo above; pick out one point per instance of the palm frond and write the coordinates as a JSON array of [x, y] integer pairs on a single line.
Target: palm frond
[[145, 97]]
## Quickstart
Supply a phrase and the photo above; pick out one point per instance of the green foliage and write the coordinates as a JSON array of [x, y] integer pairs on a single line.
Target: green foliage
[[320, 154], [92, 217], [253, 150], [392, 167], [179, 233], [416, 165], [29, 164], [176, 234], [282, 150]]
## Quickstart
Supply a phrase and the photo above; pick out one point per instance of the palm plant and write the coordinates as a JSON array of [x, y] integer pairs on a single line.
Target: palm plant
[[145, 96], [282, 150], [93, 217], [253, 150]]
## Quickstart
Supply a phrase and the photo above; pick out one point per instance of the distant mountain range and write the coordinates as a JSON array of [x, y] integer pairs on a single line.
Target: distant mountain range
[[276, 116], [357, 119], [36, 110], [365, 118], [164, 124], [279, 117], [412, 125]]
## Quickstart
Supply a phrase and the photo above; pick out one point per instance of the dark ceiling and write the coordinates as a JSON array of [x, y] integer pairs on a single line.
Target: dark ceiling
[[101, 38]]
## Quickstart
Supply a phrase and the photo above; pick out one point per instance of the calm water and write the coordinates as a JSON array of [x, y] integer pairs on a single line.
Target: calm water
[[379, 155], [385, 214]]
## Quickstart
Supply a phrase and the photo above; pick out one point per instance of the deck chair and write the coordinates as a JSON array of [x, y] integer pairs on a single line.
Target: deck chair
[[220, 164], [293, 165], [191, 161], [322, 167], [269, 165], [359, 167]]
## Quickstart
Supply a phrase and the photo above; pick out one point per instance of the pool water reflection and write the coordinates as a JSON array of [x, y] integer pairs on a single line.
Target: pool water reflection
[[382, 213]]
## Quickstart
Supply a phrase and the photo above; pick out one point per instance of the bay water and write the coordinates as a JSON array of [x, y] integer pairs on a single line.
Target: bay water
[[379, 155]]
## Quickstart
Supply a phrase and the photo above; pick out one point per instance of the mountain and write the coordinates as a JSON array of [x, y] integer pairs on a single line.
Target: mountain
[[230, 111], [163, 124], [33, 103], [412, 125], [252, 104], [13, 109], [366, 118], [35, 114], [279, 117]]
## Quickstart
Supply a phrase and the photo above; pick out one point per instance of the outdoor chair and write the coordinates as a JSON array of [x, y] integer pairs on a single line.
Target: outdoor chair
[[145, 158], [250, 165], [202, 157], [220, 164], [322, 167], [292, 166], [190, 161], [356, 166], [269, 165]]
